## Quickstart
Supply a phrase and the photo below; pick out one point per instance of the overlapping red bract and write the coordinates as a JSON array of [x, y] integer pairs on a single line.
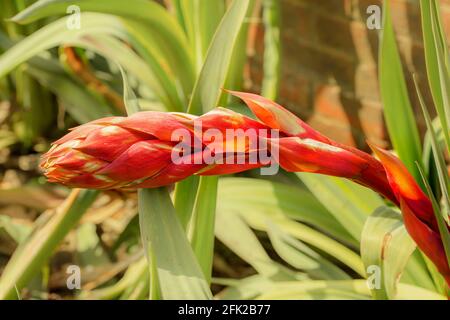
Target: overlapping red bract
[[135, 152]]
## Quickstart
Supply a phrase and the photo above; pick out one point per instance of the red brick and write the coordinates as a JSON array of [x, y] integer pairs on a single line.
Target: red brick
[[341, 8], [366, 82], [360, 120], [298, 19], [296, 91], [328, 105], [364, 42], [342, 134], [334, 32]]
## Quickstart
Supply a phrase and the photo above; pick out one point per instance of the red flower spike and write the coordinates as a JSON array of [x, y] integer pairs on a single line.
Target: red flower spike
[[405, 187], [137, 152], [114, 143]]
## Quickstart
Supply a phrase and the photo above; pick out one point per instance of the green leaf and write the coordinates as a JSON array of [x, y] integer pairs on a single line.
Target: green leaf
[[397, 107], [436, 54], [33, 253], [152, 25], [201, 228], [317, 289], [90, 251], [348, 202], [133, 275], [272, 49], [232, 231], [98, 34], [279, 200], [237, 197], [427, 156], [418, 273], [385, 249], [80, 104], [179, 274], [207, 89], [302, 257], [184, 198], [262, 288], [201, 18], [129, 98], [239, 58], [16, 231]]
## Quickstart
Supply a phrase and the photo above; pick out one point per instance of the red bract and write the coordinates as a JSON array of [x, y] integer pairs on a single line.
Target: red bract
[[417, 211]]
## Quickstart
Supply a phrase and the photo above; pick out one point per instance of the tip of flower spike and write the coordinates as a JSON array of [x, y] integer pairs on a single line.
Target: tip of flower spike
[[405, 187], [398, 172], [269, 112]]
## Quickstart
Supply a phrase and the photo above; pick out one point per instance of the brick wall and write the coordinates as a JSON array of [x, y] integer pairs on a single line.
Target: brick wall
[[329, 65]]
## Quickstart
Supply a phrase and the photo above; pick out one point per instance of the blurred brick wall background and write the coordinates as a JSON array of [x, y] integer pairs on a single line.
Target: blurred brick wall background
[[329, 64]]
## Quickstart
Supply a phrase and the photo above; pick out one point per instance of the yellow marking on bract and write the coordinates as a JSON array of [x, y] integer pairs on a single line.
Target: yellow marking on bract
[[91, 167], [70, 144], [102, 178], [116, 120], [320, 145], [157, 146], [135, 182], [82, 156], [184, 116], [109, 130], [53, 147], [235, 121], [306, 167], [211, 166]]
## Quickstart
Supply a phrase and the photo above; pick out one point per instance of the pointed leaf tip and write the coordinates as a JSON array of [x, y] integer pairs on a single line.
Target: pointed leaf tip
[[277, 117], [405, 187], [400, 179]]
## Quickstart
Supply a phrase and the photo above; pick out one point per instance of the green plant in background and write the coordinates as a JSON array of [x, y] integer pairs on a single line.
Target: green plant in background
[[178, 60], [171, 72], [31, 103]]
